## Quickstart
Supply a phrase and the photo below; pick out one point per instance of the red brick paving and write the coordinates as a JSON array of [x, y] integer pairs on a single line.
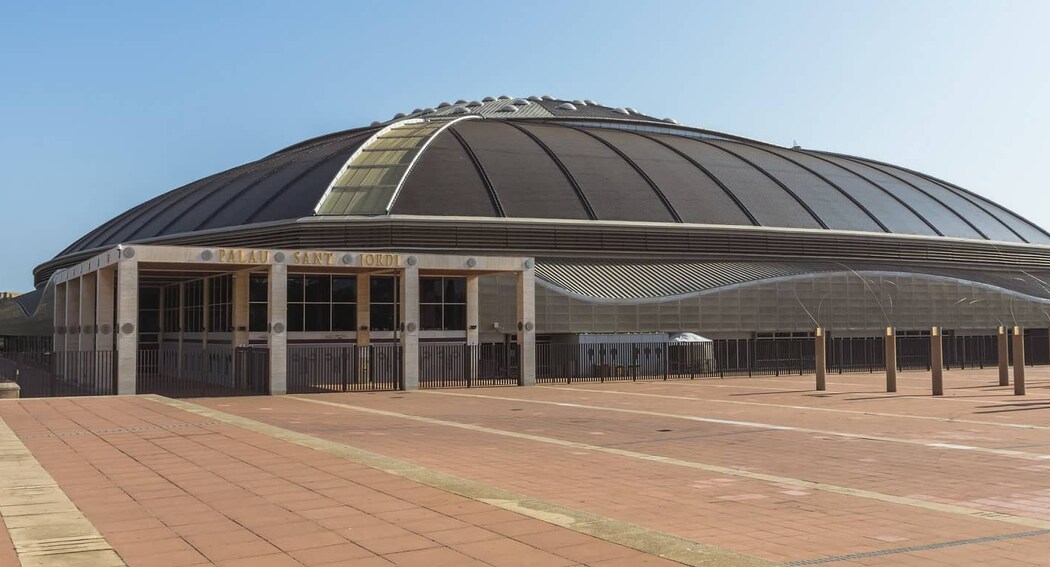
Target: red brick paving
[[170, 488], [7, 548], [780, 522]]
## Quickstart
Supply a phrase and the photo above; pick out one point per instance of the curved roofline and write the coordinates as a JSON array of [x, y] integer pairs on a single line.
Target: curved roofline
[[961, 191], [816, 155]]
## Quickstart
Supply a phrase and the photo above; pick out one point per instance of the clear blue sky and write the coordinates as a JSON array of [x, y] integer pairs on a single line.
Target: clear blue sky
[[106, 104]]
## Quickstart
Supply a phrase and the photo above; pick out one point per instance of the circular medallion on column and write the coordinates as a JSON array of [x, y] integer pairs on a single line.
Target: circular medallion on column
[[87, 330], [279, 257], [529, 326], [530, 263], [278, 328], [348, 259], [412, 260], [411, 327], [207, 255], [521, 326], [472, 262], [60, 330], [129, 252], [106, 329], [127, 328], [74, 330]]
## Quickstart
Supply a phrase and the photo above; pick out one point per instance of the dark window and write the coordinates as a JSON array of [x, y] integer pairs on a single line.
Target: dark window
[[382, 289], [455, 290], [344, 317], [258, 317], [318, 289], [295, 289], [430, 318], [455, 317], [257, 289], [258, 321], [295, 317], [382, 316], [344, 289], [318, 317], [442, 304]]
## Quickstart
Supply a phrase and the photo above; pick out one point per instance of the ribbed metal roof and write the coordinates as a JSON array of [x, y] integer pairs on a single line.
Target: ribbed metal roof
[[592, 163]]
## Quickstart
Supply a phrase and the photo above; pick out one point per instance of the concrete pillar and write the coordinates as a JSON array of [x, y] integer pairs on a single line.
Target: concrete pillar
[[1018, 361], [277, 310], [364, 310], [473, 317], [937, 360], [127, 322], [58, 341], [821, 361], [105, 327], [241, 281], [410, 323], [527, 324], [1004, 357], [891, 359], [364, 326], [88, 303], [473, 328], [73, 315]]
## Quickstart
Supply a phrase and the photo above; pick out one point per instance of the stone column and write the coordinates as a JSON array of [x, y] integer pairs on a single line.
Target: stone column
[[473, 330], [891, 359], [937, 360], [527, 324], [105, 328], [364, 326], [73, 315], [58, 341], [127, 322], [364, 310], [821, 362], [1018, 361], [241, 281], [277, 308], [88, 298], [410, 324], [1004, 357]]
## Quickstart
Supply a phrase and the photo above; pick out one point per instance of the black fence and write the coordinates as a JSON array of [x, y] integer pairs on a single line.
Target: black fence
[[218, 370], [601, 362], [467, 366], [318, 369], [74, 373]]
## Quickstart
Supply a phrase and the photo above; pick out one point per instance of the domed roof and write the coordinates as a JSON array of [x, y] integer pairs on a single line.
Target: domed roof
[[552, 158]]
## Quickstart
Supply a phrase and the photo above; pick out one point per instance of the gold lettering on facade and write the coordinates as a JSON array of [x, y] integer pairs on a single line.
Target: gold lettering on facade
[[313, 258], [241, 256], [376, 260]]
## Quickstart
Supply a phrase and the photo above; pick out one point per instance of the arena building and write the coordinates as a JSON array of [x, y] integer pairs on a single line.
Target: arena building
[[505, 223]]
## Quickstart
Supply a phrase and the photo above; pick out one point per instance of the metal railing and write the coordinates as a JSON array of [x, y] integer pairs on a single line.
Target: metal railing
[[218, 370], [318, 369], [71, 373], [467, 366]]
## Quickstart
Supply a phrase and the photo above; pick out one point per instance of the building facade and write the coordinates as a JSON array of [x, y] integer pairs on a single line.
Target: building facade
[[503, 222]]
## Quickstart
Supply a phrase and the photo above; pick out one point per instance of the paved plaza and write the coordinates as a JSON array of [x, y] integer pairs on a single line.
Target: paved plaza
[[742, 471]]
